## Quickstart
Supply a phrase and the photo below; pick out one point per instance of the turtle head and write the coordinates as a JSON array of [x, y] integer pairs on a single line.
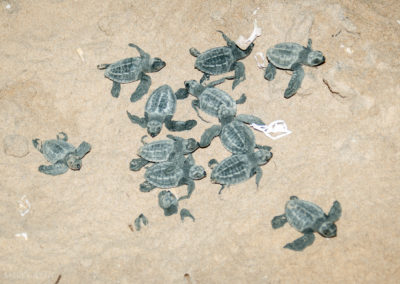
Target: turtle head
[[240, 53], [194, 87], [154, 127], [156, 64], [168, 202], [315, 58], [74, 162], [263, 156], [327, 230], [190, 145], [197, 172]]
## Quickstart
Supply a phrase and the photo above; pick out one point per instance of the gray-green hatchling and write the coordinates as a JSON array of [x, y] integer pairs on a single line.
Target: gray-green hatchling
[[130, 70], [173, 174], [291, 56], [171, 149], [209, 99], [169, 203], [307, 218], [61, 154], [160, 108], [220, 60]]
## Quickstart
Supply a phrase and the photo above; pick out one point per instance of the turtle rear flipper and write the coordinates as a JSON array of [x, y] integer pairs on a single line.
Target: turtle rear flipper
[[278, 221], [239, 74], [142, 89], [190, 188], [335, 212], [302, 242], [241, 100], [54, 170], [249, 119], [175, 125]]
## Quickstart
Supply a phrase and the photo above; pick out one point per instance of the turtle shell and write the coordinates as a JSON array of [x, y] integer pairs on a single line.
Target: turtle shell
[[215, 61], [164, 175], [284, 55], [157, 151], [55, 150], [125, 71], [161, 102], [233, 170], [303, 215], [211, 100], [237, 138]]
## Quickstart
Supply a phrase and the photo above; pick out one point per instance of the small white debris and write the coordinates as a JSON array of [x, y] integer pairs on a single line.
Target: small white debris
[[341, 46], [275, 130], [8, 6], [244, 43], [260, 59], [24, 206], [24, 235], [349, 50], [255, 11], [80, 53], [398, 21]]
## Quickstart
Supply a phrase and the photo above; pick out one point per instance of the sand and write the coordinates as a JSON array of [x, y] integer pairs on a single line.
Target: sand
[[344, 144]]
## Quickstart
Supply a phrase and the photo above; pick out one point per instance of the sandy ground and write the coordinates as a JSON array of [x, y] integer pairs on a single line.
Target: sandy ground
[[344, 144]]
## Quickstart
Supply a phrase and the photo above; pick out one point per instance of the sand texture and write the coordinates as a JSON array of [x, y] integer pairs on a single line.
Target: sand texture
[[344, 145]]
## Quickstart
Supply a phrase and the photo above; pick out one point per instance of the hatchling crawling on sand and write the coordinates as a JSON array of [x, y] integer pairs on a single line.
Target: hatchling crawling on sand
[[210, 99], [163, 150], [221, 60], [130, 70], [160, 108], [61, 154], [172, 174], [291, 56], [169, 203], [307, 218]]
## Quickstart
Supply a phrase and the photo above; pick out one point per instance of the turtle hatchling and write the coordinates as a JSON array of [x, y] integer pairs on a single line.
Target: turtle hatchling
[[160, 108], [221, 60], [169, 203], [163, 150], [130, 70], [61, 154], [210, 99], [291, 56], [171, 174], [234, 134], [307, 218]]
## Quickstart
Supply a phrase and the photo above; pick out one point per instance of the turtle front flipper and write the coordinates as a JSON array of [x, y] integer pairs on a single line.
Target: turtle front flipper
[[295, 82], [270, 72], [37, 143], [175, 125], [209, 135], [301, 243], [190, 188], [103, 66], [116, 88], [83, 149], [54, 170], [239, 74], [249, 119], [142, 88], [196, 106], [186, 213], [142, 53], [137, 120], [146, 186], [205, 77], [241, 100], [137, 164], [259, 174], [279, 221], [138, 220], [335, 212]]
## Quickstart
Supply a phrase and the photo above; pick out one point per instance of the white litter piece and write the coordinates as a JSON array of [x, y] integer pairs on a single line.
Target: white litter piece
[[261, 61], [349, 50], [398, 21], [24, 206], [275, 130], [244, 43], [255, 11], [80, 53], [24, 235]]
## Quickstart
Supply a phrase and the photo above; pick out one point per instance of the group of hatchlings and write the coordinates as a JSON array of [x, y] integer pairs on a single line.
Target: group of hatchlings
[[172, 161]]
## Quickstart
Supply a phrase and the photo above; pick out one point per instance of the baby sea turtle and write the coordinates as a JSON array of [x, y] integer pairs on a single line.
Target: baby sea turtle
[[171, 174], [291, 56], [234, 134], [221, 60], [61, 154], [168, 202], [163, 151], [160, 108], [140, 219], [307, 218], [130, 70], [210, 99]]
